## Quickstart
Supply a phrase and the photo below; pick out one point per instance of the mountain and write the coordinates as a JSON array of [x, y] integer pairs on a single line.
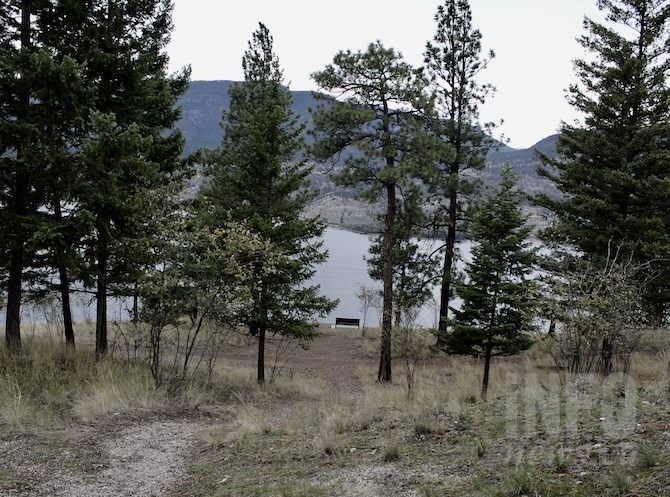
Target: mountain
[[204, 101], [202, 106]]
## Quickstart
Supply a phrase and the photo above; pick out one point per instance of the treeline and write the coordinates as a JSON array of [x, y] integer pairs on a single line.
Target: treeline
[[87, 146], [91, 179]]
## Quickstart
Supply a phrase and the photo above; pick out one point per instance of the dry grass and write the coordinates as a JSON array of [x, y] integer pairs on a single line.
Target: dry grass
[[538, 433], [49, 384], [527, 439], [104, 394]]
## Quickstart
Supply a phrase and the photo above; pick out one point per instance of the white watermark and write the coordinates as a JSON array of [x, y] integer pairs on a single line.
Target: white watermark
[[587, 415]]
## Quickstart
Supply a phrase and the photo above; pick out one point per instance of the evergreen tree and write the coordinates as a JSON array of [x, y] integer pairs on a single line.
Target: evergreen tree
[[614, 168], [38, 112], [498, 295], [374, 124], [122, 43], [255, 181], [453, 61], [69, 101], [85, 68], [415, 271]]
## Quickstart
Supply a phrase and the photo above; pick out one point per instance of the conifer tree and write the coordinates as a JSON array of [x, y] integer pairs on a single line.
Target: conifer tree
[[498, 296], [60, 230], [415, 271], [453, 62], [373, 124], [122, 43], [614, 167], [256, 182], [38, 112]]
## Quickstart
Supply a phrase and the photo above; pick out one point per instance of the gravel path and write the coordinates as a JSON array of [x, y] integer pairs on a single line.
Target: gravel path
[[145, 460]]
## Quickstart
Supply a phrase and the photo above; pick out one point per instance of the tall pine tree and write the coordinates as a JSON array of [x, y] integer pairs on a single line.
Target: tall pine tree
[[123, 43], [498, 295], [453, 62], [374, 124], [614, 168], [43, 101], [256, 181]]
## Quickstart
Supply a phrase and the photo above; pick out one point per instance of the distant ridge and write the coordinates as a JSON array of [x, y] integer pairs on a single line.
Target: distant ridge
[[204, 101], [203, 104]]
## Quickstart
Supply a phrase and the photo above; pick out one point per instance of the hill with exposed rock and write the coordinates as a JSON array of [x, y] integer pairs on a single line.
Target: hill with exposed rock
[[202, 106]]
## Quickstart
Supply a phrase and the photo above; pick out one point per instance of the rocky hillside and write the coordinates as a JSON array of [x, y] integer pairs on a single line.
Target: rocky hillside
[[204, 102]]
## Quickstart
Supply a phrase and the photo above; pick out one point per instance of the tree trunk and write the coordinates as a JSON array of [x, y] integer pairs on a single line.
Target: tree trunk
[[261, 355], [101, 291], [14, 293], [20, 208], [136, 303], [384, 375], [487, 370], [68, 327], [607, 355], [64, 285], [447, 270]]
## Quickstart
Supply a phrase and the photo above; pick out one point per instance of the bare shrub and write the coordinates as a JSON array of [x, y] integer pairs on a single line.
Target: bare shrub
[[368, 298], [595, 310], [409, 342]]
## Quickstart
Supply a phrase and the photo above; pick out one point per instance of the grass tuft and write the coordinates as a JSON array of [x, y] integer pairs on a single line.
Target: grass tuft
[[391, 453], [104, 394]]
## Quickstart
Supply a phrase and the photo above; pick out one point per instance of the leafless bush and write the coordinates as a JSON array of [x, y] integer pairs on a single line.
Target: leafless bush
[[409, 342], [285, 348], [595, 310], [368, 298]]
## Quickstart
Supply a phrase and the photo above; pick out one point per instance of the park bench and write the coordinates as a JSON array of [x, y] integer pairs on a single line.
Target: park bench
[[347, 322]]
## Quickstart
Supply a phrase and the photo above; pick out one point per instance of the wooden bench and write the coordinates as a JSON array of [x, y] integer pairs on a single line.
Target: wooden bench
[[347, 322]]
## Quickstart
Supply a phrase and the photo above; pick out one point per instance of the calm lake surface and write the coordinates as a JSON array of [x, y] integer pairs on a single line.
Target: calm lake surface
[[339, 277], [346, 270]]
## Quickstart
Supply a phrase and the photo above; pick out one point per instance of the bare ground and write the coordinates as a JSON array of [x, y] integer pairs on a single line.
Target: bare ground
[[138, 458]]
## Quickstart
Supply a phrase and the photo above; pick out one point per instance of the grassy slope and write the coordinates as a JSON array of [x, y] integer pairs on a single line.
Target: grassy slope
[[326, 428]]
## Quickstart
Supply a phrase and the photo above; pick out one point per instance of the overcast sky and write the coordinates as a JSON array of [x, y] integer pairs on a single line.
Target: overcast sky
[[534, 40]]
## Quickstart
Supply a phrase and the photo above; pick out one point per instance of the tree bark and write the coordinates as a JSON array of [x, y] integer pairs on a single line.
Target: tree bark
[[607, 356], [487, 370], [261, 355], [14, 294], [64, 285], [101, 291], [68, 327], [384, 374], [20, 208], [447, 271]]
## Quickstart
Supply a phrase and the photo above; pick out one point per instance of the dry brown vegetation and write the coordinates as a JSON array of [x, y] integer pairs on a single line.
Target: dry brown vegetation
[[325, 427]]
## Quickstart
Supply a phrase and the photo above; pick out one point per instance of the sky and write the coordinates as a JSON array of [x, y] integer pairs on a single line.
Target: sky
[[535, 42]]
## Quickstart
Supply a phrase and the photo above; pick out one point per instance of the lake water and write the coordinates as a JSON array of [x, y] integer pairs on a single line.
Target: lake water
[[339, 277], [346, 270]]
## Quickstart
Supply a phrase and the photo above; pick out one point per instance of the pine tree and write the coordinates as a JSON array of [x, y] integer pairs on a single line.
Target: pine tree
[[69, 103], [614, 168], [415, 271], [39, 111], [255, 181], [498, 295], [374, 125], [453, 62], [122, 43]]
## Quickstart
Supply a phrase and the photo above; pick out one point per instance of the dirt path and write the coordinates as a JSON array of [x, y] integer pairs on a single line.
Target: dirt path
[[143, 460], [334, 356]]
